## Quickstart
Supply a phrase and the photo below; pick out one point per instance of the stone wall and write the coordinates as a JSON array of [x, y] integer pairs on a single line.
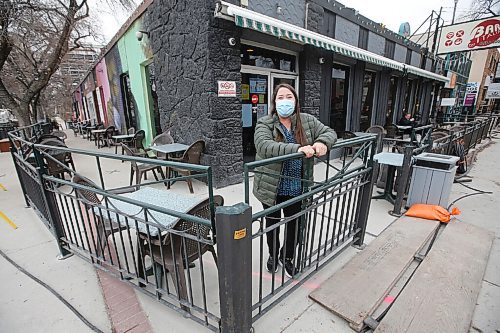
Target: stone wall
[[376, 43], [310, 68], [291, 11], [191, 52]]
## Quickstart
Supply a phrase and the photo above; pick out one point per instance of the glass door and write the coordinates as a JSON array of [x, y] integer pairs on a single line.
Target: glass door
[[277, 79], [339, 98], [254, 105]]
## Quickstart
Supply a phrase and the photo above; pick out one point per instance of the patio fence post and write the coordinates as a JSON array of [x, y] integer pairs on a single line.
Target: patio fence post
[[51, 207], [403, 180], [234, 253], [365, 197], [13, 151]]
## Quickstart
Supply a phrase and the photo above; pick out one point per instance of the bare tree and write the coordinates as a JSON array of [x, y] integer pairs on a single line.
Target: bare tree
[[35, 36], [481, 8]]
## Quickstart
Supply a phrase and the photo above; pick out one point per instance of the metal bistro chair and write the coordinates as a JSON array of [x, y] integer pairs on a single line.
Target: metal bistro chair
[[95, 136], [192, 155], [141, 169], [162, 139], [57, 161], [60, 134], [168, 250], [380, 131], [106, 139], [104, 226], [136, 144]]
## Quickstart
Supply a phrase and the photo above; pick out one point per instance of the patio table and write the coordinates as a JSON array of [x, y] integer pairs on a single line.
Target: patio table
[[97, 134], [392, 160], [170, 148], [167, 199], [120, 138]]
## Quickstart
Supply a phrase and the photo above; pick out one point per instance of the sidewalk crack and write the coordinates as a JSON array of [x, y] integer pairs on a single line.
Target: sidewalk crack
[[296, 318], [492, 283]]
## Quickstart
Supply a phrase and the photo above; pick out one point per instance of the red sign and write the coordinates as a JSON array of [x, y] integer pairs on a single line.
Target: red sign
[[255, 99], [469, 36], [485, 33]]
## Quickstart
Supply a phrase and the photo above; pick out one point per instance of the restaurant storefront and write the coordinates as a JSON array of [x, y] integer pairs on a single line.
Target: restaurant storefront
[[263, 67], [349, 72]]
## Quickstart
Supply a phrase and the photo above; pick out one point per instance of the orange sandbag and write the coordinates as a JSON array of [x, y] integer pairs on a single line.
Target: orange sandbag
[[431, 212]]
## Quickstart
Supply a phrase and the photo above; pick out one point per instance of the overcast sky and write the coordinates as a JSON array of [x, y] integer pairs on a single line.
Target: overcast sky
[[389, 12]]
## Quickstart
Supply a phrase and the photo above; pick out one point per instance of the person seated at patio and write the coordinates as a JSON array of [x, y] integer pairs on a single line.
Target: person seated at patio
[[407, 120], [285, 131]]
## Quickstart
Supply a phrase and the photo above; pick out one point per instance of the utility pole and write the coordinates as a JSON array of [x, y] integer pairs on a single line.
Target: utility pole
[[454, 11]]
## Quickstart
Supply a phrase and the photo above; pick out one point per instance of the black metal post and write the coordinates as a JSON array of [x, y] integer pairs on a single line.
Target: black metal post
[[403, 180], [364, 199], [21, 179], [234, 252], [51, 207]]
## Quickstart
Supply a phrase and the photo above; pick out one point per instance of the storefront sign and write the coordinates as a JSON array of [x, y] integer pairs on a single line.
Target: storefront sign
[[227, 88], [447, 101], [469, 100], [469, 36], [493, 91], [471, 93]]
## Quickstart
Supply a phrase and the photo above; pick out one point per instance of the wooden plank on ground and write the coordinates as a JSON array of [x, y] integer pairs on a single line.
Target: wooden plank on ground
[[361, 285], [442, 294]]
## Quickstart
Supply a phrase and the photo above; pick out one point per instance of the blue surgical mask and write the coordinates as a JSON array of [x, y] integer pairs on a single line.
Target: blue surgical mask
[[285, 107]]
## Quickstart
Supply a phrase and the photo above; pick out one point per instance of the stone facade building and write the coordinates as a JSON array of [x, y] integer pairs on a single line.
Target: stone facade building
[[349, 71], [193, 50]]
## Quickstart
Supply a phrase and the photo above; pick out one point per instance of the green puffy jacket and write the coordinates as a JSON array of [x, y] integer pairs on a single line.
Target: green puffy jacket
[[267, 178]]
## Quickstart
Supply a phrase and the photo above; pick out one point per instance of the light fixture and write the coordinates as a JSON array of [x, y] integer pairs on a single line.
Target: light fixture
[[321, 60], [249, 50], [279, 9], [140, 34]]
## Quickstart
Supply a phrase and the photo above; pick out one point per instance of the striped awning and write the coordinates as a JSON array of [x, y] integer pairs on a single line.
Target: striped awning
[[251, 20]]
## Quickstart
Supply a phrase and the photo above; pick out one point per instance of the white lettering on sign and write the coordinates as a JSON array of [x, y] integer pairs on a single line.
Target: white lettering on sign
[[226, 88]]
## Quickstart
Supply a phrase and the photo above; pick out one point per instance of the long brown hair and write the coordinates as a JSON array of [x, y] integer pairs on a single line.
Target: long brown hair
[[299, 130]]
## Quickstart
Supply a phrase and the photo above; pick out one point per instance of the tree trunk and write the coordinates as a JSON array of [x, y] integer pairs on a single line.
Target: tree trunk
[[23, 114]]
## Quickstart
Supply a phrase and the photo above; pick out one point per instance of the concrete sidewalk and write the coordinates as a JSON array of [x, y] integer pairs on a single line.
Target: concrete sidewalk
[[28, 307]]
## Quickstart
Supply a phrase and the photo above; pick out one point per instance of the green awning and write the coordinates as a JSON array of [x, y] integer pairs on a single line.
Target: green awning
[[320, 41], [251, 20]]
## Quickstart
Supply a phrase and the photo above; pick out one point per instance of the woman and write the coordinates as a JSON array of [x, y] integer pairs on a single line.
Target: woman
[[286, 131]]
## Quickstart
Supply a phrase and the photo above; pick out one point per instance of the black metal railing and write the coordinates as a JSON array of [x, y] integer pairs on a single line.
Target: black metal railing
[[333, 213], [185, 264], [118, 227]]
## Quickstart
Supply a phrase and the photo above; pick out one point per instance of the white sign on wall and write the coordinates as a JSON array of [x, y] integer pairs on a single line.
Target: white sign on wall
[[447, 101], [493, 91], [226, 88], [469, 36]]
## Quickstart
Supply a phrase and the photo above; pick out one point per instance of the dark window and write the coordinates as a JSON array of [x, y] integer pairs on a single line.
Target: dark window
[[409, 87], [367, 100], [259, 57], [338, 103], [128, 102], [391, 102]]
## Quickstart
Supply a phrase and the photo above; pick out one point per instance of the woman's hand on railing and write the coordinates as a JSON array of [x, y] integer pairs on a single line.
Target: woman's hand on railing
[[307, 150], [320, 148]]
